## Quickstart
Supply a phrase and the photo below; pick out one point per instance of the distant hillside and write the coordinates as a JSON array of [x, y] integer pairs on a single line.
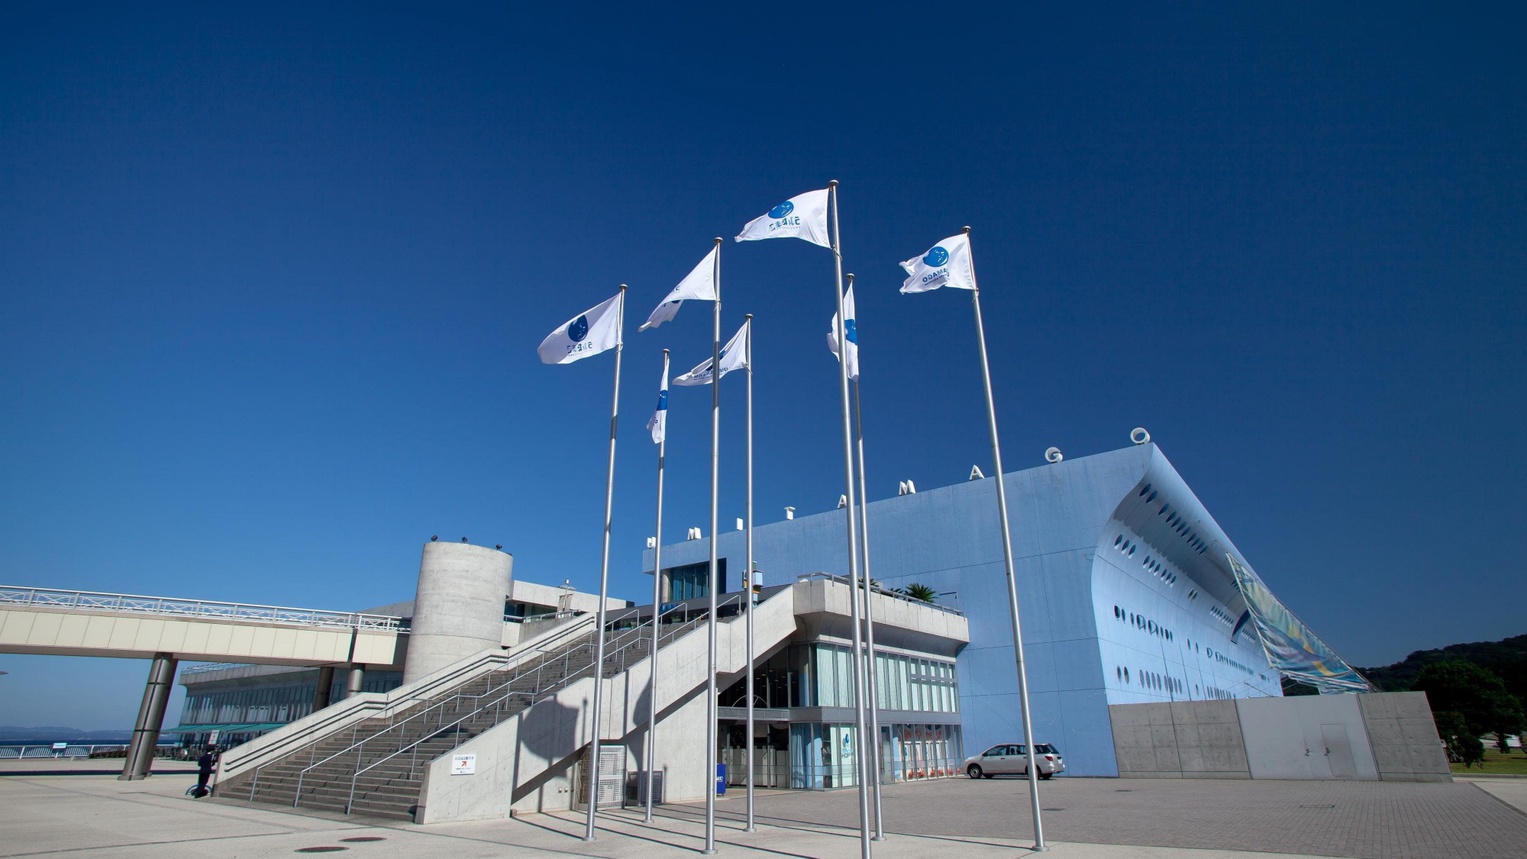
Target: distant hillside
[[1507, 658]]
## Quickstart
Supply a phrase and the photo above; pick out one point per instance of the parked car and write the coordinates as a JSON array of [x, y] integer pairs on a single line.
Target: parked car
[[1013, 759]]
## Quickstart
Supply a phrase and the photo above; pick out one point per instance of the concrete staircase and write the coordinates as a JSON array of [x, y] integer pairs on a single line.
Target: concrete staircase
[[376, 766]]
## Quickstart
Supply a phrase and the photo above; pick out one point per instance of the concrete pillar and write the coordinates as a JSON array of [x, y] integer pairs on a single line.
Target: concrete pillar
[[325, 683], [356, 681], [459, 606], [140, 753]]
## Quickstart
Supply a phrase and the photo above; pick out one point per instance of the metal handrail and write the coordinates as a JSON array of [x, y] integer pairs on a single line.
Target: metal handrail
[[621, 642], [536, 696], [172, 606], [556, 638], [887, 592]]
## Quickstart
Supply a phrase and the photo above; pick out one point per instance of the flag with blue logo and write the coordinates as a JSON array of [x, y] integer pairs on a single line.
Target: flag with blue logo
[[850, 333], [658, 424], [698, 284], [945, 264], [734, 356], [801, 217], [589, 333]]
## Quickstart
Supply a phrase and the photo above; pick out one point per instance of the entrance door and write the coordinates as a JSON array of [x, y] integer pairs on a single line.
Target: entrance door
[[1338, 751]]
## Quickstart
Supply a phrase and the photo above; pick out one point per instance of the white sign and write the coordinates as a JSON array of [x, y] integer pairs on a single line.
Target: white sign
[[463, 764]]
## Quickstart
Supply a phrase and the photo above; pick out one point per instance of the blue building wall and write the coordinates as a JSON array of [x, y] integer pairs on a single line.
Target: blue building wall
[[1119, 567]]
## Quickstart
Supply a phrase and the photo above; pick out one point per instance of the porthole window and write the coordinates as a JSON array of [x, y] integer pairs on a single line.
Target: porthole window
[[1150, 498], [1145, 490], [1119, 539]]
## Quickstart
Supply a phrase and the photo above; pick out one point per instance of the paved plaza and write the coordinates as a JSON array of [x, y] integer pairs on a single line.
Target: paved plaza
[[85, 812]]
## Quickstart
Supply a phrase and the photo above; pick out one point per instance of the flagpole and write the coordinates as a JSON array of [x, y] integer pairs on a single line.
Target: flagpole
[[747, 587], [872, 748], [715, 583], [604, 583], [657, 611], [853, 553], [1007, 562]]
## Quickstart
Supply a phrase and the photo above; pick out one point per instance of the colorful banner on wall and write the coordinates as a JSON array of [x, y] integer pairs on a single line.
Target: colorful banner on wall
[[1291, 648]]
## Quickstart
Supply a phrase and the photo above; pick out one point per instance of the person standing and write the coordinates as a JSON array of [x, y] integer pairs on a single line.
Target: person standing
[[204, 768]]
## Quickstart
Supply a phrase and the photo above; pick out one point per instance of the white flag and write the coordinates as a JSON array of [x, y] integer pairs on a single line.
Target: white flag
[[588, 333], [734, 356], [658, 425], [945, 264], [700, 284], [800, 217], [850, 333]]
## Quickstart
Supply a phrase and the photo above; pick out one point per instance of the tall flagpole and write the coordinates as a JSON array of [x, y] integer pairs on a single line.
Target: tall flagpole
[[715, 583], [871, 748], [657, 611], [1007, 562], [747, 587], [853, 553], [604, 584]]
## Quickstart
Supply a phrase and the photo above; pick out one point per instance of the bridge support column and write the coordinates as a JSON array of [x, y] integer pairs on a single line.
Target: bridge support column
[[140, 754], [357, 678], [325, 683]]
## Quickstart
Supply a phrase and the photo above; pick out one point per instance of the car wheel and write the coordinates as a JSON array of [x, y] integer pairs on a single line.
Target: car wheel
[[974, 771], [1046, 776]]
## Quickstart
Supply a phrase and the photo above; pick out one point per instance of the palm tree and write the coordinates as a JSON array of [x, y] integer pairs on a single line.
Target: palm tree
[[920, 592]]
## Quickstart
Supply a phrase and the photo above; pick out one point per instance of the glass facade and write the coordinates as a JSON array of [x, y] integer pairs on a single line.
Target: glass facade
[[277, 700], [919, 735], [692, 581]]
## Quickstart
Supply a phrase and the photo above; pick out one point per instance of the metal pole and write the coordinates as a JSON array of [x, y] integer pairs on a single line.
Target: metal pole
[[1007, 563], [873, 747], [715, 467], [657, 611], [747, 586], [853, 552], [604, 584]]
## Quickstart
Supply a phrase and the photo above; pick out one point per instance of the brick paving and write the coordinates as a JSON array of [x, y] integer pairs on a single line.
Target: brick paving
[[1364, 820]]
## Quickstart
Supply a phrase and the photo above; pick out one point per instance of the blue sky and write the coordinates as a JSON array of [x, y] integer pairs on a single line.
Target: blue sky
[[274, 278]]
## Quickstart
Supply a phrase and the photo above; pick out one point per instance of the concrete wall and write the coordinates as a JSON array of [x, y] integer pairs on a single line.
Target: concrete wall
[[1386, 736], [459, 608], [1403, 737], [1187, 739]]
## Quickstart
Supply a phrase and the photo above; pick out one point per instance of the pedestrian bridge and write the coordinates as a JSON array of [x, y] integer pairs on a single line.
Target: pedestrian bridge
[[86, 623]]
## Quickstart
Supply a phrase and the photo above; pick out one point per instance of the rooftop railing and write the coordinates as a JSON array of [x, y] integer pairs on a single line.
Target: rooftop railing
[[205, 609], [886, 592]]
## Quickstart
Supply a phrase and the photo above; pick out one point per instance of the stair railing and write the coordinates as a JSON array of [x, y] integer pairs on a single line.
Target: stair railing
[[623, 641], [570, 670], [555, 639]]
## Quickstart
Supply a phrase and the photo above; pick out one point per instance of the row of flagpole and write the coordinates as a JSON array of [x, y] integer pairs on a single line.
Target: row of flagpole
[[805, 216]]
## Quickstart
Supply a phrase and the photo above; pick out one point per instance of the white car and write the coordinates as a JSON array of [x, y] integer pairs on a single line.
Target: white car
[[1013, 759]]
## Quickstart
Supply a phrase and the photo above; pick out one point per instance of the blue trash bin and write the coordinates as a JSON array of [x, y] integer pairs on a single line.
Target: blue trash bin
[[720, 779]]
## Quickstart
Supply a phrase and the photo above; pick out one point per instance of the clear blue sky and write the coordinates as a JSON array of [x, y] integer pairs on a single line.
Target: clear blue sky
[[273, 280]]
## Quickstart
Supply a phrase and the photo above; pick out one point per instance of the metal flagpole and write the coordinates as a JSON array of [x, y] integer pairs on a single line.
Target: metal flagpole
[[715, 465], [853, 552], [657, 612], [747, 586], [1007, 562], [871, 748], [604, 584]]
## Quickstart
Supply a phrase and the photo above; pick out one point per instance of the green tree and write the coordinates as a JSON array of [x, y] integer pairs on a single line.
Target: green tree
[[1463, 745], [920, 592], [1477, 695]]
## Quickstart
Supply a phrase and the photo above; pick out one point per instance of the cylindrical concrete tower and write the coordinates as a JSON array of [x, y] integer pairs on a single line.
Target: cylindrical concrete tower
[[459, 607]]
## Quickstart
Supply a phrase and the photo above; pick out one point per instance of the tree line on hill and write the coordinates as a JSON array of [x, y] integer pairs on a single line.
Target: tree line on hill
[[1475, 689]]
